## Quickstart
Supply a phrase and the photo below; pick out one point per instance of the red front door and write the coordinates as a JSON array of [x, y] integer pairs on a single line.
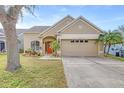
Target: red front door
[[48, 48]]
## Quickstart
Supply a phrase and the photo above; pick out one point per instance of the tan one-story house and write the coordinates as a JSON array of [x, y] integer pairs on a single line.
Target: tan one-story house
[[77, 37]]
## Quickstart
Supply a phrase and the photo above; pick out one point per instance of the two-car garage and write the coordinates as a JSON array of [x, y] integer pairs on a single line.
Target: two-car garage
[[79, 38], [79, 47]]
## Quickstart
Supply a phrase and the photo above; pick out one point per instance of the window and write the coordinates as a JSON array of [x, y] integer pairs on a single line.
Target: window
[[2, 46], [72, 41], [86, 41], [35, 45], [81, 41], [77, 41]]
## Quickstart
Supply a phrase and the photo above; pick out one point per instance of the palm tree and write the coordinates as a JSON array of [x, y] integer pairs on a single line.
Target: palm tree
[[110, 38], [102, 39], [9, 16]]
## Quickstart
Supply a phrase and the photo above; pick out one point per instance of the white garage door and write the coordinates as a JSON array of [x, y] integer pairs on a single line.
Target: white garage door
[[79, 48]]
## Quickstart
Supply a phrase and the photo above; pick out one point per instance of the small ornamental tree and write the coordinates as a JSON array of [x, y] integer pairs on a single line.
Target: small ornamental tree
[[55, 47]]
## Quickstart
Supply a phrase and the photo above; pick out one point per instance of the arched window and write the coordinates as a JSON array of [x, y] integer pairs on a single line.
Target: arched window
[[35, 45]]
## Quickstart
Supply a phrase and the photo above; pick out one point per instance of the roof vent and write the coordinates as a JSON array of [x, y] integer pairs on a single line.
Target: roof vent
[[80, 26]]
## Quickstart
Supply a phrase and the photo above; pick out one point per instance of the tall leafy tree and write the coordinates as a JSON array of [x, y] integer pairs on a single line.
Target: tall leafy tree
[[9, 16], [110, 38], [121, 28]]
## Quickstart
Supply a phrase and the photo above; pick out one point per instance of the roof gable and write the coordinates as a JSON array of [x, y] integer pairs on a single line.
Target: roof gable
[[83, 20], [54, 26]]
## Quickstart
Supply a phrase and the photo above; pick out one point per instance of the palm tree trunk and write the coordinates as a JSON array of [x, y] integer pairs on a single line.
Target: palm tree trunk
[[108, 48], [13, 62], [105, 50]]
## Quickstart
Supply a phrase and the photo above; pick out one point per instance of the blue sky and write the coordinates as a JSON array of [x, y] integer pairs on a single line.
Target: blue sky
[[105, 17]]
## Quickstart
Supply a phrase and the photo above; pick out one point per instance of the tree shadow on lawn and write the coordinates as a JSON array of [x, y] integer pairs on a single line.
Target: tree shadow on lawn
[[34, 73]]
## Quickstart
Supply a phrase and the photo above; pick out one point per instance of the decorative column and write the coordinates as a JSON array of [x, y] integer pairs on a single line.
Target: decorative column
[[41, 45], [59, 41], [100, 49]]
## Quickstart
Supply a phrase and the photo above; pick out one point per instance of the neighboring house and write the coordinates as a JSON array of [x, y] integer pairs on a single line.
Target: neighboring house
[[117, 48], [3, 39], [77, 37], [20, 37]]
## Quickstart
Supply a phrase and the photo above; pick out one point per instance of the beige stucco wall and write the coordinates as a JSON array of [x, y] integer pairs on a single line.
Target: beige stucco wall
[[80, 27], [48, 39], [100, 49], [28, 37], [60, 25]]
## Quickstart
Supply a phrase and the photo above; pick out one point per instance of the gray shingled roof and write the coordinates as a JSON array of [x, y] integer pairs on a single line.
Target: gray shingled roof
[[18, 31], [1, 31], [37, 29], [1, 34]]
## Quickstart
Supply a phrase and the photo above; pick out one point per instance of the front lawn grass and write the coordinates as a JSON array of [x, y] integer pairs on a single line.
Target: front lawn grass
[[115, 57], [35, 73]]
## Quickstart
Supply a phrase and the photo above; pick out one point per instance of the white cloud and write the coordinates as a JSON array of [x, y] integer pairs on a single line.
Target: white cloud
[[63, 9], [119, 18]]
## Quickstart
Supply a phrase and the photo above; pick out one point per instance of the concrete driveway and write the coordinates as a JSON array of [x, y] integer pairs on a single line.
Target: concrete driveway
[[93, 72]]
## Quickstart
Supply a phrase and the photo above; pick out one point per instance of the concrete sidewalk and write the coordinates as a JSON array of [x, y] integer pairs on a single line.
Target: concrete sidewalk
[[50, 57]]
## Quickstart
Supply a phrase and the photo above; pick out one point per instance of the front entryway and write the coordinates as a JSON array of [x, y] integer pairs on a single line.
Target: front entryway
[[2, 46], [47, 45]]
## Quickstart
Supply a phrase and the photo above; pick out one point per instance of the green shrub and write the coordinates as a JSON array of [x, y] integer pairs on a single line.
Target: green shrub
[[31, 52], [38, 54], [21, 50]]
